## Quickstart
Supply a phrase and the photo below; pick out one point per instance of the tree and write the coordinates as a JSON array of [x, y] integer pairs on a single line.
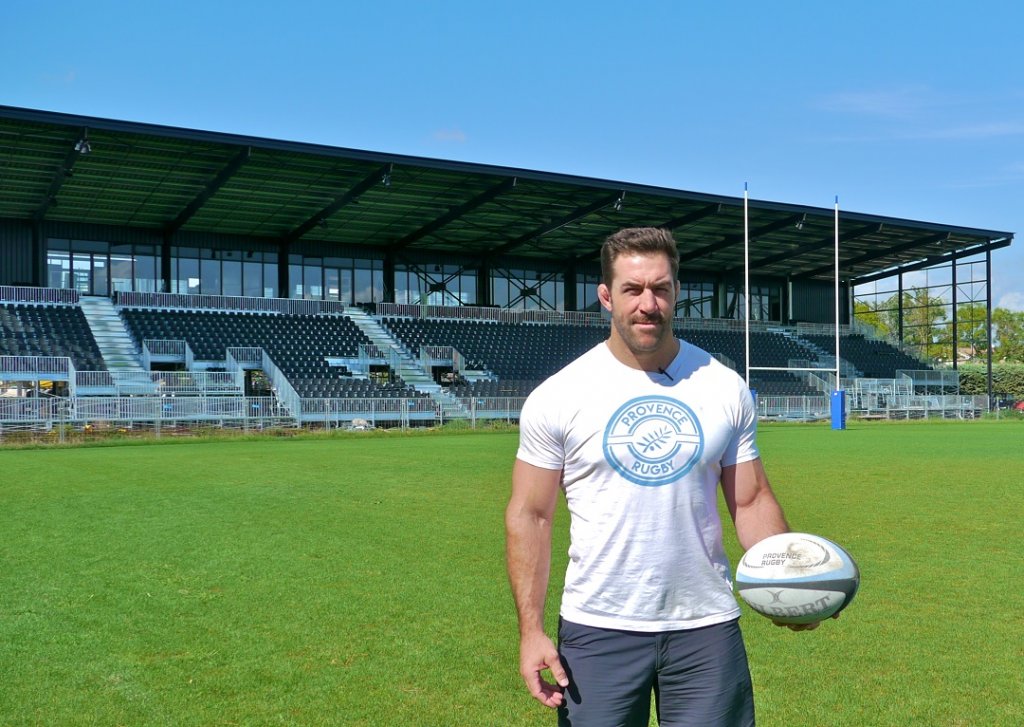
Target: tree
[[1009, 335], [972, 330], [923, 315], [875, 315], [928, 329]]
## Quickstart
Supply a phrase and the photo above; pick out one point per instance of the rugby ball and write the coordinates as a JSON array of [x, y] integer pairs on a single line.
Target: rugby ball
[[797, 578]]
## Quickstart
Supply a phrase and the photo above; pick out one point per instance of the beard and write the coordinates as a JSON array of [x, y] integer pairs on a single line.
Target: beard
[[642, 342]]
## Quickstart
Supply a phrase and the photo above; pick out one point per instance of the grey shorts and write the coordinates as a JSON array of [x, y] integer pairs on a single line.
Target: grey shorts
[[698, 677]]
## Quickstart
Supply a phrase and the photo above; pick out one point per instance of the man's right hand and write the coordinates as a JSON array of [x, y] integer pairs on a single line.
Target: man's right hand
[[537, 653]]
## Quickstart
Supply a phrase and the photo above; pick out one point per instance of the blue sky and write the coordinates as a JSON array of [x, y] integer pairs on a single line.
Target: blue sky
[[900, 108]]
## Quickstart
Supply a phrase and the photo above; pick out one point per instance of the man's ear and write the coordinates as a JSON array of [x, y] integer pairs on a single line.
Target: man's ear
[[604, 294]]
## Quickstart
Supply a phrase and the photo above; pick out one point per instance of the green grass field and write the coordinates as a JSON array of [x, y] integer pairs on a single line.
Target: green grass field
[[359, 580]]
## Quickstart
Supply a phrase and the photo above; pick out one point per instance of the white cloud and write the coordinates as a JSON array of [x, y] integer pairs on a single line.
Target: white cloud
[[457, 136], [1012, 301], [917, 113], [895, 103], [989, 130], [67, 78], [1008, 174]]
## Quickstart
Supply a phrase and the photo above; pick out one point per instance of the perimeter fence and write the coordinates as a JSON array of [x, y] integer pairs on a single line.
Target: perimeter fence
[[81, 418]]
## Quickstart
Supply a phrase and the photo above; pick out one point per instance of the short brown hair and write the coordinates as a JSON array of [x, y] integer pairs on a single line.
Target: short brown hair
[[642, 240]]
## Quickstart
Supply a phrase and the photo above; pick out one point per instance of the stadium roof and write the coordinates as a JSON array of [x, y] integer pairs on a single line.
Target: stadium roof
[[64, 167]]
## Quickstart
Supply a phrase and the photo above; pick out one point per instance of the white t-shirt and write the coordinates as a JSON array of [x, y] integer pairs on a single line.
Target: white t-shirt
[[641, 456]]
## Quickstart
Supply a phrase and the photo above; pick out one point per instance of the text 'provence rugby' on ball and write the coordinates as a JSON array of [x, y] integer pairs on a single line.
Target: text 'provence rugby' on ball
[[797, 578]]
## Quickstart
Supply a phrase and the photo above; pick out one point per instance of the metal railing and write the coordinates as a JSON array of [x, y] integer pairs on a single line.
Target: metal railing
[[823, 329], [941, 381], [498, 315], [431, 356], [199, 383], [282, 387], [192, 301], [370, 354], [47, 296], [926, 407], [162, 349], [240, 358], [44, 414], [793, 408], [37, 367]]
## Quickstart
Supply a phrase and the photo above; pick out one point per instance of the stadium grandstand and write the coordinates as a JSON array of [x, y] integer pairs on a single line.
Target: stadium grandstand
[[160, 277]]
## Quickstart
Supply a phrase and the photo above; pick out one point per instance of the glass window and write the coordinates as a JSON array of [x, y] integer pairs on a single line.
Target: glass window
[[231, 270], [586, 292], [401, 285], [312, 282], [121, 271], [81, 271], [332, 284], [100, 279], [467, 288], [269, 280], [96, 267], [363, 286], [548, 297], [252, 279], [347, 288], [499, 291], [377, 294], [89, 246], [146, 278], [186, 279], [295, 280], [696, 300], [765, 303], [58, 268], [209, 277]]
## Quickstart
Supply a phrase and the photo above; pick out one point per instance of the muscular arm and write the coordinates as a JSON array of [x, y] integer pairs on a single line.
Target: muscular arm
[[751, 502], [528, 552], [754, 509]]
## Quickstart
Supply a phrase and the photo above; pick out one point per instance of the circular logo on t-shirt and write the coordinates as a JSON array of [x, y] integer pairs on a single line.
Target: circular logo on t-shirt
[[653, 440]]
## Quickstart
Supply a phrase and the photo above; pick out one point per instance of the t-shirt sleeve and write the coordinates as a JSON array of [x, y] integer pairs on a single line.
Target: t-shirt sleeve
[[540, 442], [742, 447]]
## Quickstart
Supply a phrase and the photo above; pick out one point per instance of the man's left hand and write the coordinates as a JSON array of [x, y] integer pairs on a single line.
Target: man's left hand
[[802, 627]]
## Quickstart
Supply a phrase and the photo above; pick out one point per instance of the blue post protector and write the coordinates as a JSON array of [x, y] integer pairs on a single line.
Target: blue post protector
[[839, 409]]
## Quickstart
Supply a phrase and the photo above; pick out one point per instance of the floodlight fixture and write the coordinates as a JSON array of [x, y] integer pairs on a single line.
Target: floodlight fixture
[[82, 146]]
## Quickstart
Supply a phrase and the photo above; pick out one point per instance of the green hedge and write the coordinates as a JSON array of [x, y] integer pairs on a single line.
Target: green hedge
[[1007, 380]]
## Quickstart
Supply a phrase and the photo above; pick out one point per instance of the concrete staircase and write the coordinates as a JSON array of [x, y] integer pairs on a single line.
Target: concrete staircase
[[409, 367], [115, 344], [826, 358], [126, 375]]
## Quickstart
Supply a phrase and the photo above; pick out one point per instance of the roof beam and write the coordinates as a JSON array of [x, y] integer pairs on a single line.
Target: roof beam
[[63, 172], [209, 190], [687, 219], [816, 245], [730, 240], [934, 260], [868, 257], [455, 213], [577, 214], [367, 183], [695, 216]]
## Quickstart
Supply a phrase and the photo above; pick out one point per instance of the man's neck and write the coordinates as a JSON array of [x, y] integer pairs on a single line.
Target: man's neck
[[655, 361]]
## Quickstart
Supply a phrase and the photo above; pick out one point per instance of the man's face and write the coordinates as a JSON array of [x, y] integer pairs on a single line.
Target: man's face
[[641, 299]]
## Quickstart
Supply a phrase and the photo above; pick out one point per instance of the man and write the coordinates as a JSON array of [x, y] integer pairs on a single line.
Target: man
[[638, 432]]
